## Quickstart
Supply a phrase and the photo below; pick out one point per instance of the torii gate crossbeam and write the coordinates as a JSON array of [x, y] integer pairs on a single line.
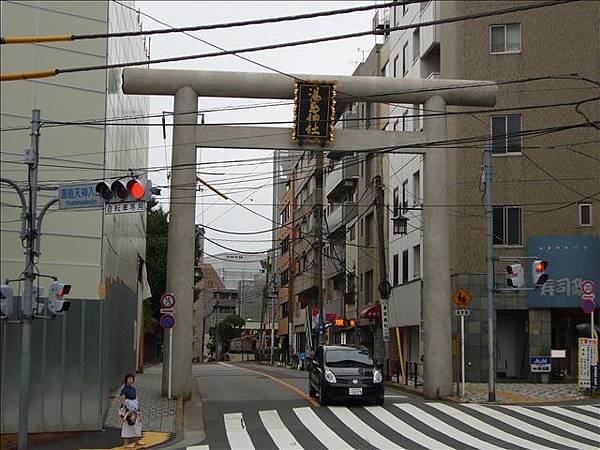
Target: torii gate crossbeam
[[187, 85]]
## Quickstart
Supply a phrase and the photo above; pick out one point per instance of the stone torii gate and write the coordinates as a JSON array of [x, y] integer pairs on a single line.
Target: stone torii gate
[[187, 85]]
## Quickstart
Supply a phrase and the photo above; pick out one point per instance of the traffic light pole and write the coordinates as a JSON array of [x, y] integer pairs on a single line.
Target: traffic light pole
[[32, 158], [490, 274]]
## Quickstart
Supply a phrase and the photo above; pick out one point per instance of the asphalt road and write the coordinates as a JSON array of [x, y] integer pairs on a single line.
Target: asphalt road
[[250, 406]]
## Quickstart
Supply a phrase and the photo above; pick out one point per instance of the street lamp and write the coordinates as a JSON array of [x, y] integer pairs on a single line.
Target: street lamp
[[400, 225]]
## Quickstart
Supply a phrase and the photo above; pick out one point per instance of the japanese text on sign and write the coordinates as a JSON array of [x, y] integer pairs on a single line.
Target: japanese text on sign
[[78, 196], [314, 111], [587, 358], [125, 208]]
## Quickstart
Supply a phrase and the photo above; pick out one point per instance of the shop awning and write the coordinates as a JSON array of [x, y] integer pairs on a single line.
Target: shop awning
[[371, 312]]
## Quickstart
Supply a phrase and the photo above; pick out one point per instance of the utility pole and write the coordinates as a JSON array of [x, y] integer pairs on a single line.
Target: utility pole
[[31, 158], [489, 209], [273, 295], [384, 284], [319, 249]]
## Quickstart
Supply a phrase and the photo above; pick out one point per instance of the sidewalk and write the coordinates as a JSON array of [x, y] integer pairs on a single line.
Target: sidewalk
[[527, 393], [159, 414]]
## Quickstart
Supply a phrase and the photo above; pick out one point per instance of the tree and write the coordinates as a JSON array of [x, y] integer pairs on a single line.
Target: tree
[[228, 329], [156, 261]]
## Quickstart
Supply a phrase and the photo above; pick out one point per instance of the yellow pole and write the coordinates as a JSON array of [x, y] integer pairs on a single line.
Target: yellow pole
[[12, 76], [400, 358], [35, 39]]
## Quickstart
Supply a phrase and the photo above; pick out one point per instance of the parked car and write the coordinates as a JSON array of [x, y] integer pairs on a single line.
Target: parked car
[[343, 372]]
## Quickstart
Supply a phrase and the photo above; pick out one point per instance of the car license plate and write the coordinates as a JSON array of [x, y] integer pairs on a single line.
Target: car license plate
[[355, 391]]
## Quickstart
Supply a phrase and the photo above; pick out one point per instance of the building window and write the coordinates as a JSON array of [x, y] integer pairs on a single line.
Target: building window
[[508, 225], [396, 123], [415, 45], [351, 233], [285, 277], [505, 38], [368, 167], [416, 261], [285, 245], [416, 111], [396, 211], [585, 215], [506, 134], [395, 69], [285, 309], [395, 270], [368, 287], [285, 215], [404, 194], [405, 120], [416, 188], [404, 266], [369, 229], [405, 59]]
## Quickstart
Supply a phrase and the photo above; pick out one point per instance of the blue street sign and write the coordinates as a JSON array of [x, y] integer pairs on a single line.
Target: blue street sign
[[71, 196], [540, 363], [167, 321]]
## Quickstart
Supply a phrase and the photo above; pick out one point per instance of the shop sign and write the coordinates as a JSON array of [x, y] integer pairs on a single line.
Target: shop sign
[[572, 265], [539, 364], [587, 358], [314, 112]]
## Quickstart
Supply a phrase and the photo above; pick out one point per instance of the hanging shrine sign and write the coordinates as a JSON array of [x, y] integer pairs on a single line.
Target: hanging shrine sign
[[314, 112]]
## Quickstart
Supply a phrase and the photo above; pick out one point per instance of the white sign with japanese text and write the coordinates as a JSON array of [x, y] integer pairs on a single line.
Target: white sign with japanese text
[[125, 208], [587, 358]]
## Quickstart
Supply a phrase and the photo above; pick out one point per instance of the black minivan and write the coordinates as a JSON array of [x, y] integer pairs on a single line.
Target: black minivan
[[343, 372]]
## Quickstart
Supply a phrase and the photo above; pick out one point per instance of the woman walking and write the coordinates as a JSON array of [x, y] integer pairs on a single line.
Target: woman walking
[[130, 412]]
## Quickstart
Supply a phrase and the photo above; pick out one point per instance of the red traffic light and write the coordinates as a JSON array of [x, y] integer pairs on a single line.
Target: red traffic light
[[64, 290], [540, 266], [136, 189]]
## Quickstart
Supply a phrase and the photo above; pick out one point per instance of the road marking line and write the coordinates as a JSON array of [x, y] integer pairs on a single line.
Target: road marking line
[[395, 396], [590, 408], [573, 415], [486, 428], [198, 447], [317, 427], [362, 429], [399, 426], [278, 431], [237, 435], [442, 427], [495, 413], [560, 424], [309, 399]]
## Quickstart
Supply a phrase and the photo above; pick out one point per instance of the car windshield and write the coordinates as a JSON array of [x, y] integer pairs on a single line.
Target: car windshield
[[348, 357]]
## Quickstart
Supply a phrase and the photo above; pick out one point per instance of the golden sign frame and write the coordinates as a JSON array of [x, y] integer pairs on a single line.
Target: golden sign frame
[[316, 140]]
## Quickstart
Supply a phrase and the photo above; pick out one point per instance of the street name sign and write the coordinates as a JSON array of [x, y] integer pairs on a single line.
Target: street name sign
[[74, 196]]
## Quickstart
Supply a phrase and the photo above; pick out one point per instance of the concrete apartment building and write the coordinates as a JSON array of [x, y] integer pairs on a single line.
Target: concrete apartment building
[[98, 339], [545, 183]]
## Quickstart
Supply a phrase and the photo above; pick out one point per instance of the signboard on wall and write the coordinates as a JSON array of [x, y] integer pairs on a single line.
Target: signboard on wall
[[587, 358], [571, 261]]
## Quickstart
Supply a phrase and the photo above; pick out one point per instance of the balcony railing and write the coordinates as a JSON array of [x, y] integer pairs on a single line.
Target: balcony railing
[[342, 178]]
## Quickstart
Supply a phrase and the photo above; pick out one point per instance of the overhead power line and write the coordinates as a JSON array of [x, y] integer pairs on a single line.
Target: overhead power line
[[216, 26], [53, 72]]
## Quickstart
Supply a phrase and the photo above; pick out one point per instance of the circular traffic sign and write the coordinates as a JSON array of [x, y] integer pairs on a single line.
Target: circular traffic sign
[[588, 287], [588, 306], [167, 300], [167, 321]]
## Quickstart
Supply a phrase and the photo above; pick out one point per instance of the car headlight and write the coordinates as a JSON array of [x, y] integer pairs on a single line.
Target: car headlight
[[377, 377], [329, 376]]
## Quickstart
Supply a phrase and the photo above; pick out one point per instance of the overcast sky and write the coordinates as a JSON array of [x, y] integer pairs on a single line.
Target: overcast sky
[[339, 57]]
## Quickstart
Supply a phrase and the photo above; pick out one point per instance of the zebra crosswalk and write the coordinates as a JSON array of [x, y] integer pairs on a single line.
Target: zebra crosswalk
[[406, 425]]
